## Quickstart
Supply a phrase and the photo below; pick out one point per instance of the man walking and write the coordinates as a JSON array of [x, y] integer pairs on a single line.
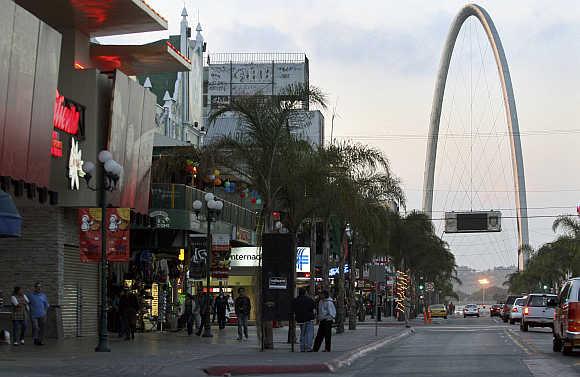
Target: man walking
[[38, 311], [304, 311], [326, 314], [243, 307], [221, 306]]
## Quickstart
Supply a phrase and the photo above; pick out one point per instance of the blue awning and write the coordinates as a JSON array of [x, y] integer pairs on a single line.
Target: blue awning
[[10, 219]]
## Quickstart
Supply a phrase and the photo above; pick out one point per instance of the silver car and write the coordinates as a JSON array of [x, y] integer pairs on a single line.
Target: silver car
[[470, 310], [517, 310], [536, 312]]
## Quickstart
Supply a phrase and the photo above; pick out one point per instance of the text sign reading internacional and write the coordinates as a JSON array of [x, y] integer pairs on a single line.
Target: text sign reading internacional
[[472, 222], [249, 257]]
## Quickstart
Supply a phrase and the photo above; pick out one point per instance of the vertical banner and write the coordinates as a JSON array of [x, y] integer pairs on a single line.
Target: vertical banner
[[220, 256], [90, 234], [118, 247], [198, 256]]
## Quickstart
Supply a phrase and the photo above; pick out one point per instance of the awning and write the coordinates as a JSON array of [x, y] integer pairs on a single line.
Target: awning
[[10, 220], [134, 60]]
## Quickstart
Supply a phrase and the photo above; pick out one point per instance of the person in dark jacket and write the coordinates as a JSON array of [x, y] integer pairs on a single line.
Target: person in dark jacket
[[221, 306], [129, 306], [304, 309], [243, 308]]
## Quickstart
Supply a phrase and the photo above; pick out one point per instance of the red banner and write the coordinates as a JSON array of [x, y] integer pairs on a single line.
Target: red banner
[[118, 247], [220, 256], [90, 234]]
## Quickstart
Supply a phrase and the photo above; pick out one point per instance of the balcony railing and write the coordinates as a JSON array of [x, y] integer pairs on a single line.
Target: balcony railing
[[177, 196]]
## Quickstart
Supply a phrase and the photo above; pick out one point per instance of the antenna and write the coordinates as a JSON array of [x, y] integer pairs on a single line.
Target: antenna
[[334, 115]]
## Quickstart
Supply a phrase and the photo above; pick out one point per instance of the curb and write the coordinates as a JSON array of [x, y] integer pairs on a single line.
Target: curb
[[326, 367]]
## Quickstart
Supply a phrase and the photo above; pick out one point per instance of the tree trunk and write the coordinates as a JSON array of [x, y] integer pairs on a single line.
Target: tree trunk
[[326, 255]]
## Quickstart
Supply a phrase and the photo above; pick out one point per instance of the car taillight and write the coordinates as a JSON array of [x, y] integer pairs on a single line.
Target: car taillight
[[515, 310], [574, 316], [526, 310]]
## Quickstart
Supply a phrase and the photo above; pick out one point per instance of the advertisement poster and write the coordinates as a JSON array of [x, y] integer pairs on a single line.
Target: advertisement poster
[[90, 234], [198, 256], [220, 256], [118, 246]]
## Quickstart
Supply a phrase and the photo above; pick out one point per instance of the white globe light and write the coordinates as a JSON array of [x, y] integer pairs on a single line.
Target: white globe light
[[117, 168], [219, 205], [211, 204], [209, 197], [110, 166], [105, 156], [88, 167], [197, 205]]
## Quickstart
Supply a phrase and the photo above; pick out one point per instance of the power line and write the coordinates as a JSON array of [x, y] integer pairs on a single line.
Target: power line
[[460, 135]]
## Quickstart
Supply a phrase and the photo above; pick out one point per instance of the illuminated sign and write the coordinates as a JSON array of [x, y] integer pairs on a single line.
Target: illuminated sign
[[75, 165], [66, 115], [56, 147]]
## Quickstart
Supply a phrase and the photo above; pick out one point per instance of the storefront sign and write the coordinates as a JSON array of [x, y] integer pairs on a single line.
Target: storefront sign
[[161, 218], [303, 259], [90, 234], [243, 235], [67, 116], [118, 245], [277, 283], [198, 256], [245, 257], [220, 257]]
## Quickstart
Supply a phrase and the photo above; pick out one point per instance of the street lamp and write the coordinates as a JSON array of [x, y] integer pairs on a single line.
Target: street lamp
[[352, 314], [483, 282], [110, 175], [213, 209]]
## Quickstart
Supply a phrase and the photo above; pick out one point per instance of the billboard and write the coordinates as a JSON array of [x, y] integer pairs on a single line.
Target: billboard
[[246, 79], [90, 220], [117, 226]]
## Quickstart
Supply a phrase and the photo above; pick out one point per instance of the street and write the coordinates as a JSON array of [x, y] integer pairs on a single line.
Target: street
[[468, 347]]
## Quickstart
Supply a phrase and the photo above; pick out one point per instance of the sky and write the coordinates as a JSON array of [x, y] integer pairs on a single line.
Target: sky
[[377, 61]]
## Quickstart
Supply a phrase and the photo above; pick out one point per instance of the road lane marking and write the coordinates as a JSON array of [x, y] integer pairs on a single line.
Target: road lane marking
[[517, 342]]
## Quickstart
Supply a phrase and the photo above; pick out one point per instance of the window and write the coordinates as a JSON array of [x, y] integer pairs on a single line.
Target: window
[[563, 297], [539, 301]]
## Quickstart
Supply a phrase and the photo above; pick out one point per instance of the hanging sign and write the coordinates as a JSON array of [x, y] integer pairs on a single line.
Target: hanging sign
[[220, 256], [198, 256], [118, 246], [90, 234]]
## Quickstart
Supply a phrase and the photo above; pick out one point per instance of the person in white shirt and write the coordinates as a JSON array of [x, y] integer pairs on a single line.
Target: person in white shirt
[[326, 315]]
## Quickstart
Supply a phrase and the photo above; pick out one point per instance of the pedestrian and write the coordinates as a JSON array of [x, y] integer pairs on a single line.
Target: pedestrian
[[131, 314], [326, 315], [121, 305], [221, 305], [188, 313], [304, 309], [243, 306], [206, 304], [196, 311], [19, 307], [38, 312]]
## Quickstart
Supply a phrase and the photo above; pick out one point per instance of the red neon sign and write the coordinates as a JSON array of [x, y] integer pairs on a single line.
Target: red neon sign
[[66, 117], [56, 147]]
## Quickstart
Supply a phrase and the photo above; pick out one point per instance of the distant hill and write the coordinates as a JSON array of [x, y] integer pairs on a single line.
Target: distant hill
[[471, 290]]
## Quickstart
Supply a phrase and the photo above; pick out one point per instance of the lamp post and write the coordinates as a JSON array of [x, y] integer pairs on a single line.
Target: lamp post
[[110, 175], [483, 282], [351, 269], [213, 209]]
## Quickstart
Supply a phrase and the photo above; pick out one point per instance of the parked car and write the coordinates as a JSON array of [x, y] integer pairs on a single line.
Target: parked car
[[495, 310], [536, 311], [438, 310], [567, 317], [507, 307], [517, 310], [459, 309], [470, 310]]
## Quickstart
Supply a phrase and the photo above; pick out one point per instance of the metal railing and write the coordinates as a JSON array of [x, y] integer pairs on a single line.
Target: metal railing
[[178, 196], [256, 57]]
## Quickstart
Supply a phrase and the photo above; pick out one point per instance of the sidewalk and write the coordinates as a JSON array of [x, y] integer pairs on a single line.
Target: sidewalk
[[172, 354]]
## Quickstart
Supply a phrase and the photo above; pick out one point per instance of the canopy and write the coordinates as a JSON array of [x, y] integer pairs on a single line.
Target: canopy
[[10, 220]]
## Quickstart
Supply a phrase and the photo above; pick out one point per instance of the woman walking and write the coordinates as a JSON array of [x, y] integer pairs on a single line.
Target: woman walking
[[19, 307]]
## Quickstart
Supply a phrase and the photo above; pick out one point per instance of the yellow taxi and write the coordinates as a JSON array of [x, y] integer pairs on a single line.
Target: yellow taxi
[[438, 311]]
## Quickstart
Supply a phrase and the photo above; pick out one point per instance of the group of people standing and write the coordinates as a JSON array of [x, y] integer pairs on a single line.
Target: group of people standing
[[33, 306], [198, 310], [306, 311]]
